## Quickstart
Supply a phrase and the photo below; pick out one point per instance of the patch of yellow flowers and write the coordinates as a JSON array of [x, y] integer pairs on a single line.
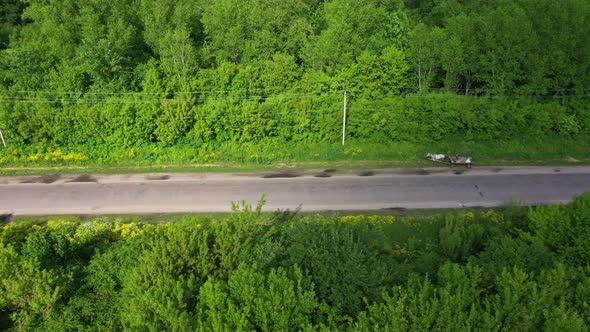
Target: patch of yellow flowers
[[372, 220], [86, 231], [493, 216], [353, 151], [15, 156], [127, 230], [55, 155]]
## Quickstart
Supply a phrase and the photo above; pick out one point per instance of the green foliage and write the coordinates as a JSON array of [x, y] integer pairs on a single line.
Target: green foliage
[[256, 33], [565, 229], [485, 270], [179, 255], [373, 76], [506, 251], [106, 76], [461, 238], [277, 301], [347, 28], [340, 261], [174, 122]]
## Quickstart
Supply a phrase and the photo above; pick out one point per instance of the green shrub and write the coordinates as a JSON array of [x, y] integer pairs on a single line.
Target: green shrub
[[565, 228]]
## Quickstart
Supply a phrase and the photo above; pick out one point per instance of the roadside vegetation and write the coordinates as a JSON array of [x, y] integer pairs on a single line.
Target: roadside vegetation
[[153, 82], [505, 269]]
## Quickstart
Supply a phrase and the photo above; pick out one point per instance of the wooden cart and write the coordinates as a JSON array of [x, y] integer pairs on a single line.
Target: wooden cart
[[456, 160]]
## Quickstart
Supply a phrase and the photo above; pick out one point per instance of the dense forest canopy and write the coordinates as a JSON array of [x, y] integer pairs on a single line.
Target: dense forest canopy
[[135, 72], [527, 46]]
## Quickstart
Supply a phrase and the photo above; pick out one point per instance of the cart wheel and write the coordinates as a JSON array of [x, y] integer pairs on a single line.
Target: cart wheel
[[468, 165]]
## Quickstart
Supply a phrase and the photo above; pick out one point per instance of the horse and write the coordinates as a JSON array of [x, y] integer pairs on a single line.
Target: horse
[[433, 156]]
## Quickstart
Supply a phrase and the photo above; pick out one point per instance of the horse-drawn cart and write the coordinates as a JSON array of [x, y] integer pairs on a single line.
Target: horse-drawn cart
[[451, 161]]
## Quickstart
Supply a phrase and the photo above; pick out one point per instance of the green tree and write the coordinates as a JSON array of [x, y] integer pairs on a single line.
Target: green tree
[[564, 228], [10, 19], [278, 301], [342, 266], [424, 54], [180, 258], [258, 29], [373, 76], [350, 27]]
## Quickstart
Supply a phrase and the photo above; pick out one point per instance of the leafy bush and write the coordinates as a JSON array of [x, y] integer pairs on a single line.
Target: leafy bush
[[565, 228], [485, 270]]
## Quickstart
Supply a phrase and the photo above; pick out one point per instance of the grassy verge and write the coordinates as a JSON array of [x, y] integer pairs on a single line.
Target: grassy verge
[[513, 208], [272, 155]]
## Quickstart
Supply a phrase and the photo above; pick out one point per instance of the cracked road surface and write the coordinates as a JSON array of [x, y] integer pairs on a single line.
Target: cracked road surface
[[209, 192]]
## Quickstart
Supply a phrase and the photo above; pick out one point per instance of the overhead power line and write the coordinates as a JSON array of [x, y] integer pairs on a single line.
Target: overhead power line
[[296, 90], [114, 100]]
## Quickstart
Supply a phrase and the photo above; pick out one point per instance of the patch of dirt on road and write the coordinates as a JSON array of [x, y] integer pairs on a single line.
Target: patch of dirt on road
[[46, 178], [158, 177], [84, 178], [323, 175], [282, 174], [420, 171], [557, 170], [398, 209], [459, 171], [366, 173]]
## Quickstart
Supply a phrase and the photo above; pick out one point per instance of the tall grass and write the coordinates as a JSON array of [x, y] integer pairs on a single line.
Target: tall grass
[[550, 149]]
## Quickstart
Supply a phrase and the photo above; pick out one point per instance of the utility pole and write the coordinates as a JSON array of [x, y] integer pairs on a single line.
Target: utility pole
[[344, 120], [2, 136]]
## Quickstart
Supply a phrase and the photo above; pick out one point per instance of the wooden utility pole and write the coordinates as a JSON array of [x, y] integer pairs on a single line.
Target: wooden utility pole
[[344, 120], [2, 136]]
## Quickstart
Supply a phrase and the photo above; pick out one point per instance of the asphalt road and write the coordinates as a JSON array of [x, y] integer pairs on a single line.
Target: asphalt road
[[351, 190]]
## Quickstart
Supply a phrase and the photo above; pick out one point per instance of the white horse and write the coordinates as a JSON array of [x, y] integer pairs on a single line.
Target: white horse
[[433, 156]]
